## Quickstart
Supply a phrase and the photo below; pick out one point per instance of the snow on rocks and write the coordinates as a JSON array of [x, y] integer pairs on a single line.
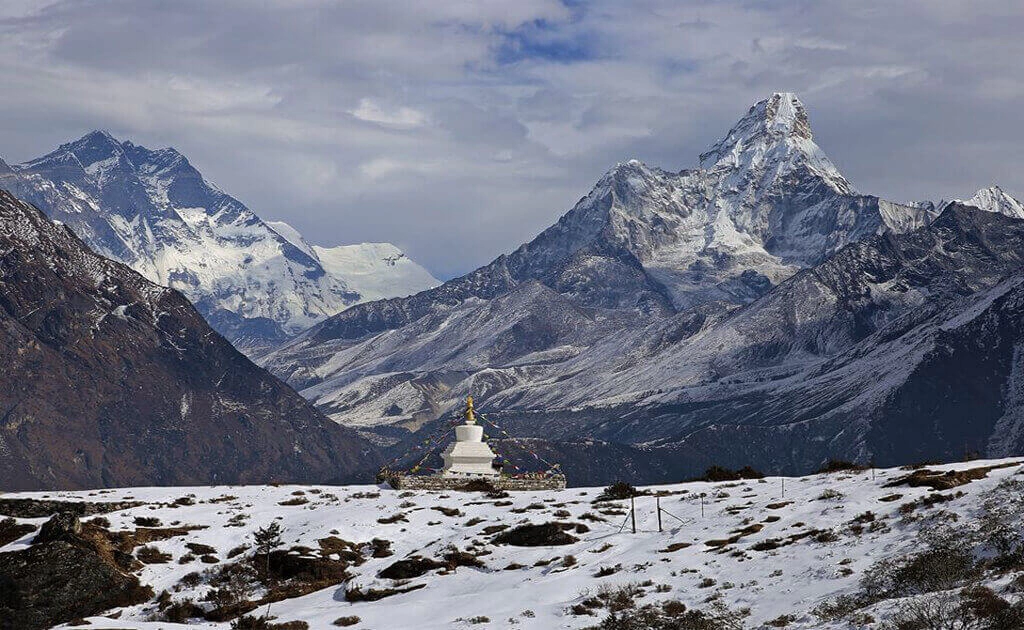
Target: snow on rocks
[[754, 548]]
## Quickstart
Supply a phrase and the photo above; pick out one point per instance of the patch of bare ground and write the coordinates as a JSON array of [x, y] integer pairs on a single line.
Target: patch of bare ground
[[939, 480]]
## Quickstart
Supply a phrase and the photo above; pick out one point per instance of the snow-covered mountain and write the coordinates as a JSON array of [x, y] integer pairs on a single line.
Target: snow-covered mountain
[[375, 271], [642, 245], [686, 314], [805, 553], [155, 212], [993, 199]]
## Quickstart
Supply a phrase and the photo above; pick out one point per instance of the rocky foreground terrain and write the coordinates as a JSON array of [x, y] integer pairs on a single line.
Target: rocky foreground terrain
[[849, 548]]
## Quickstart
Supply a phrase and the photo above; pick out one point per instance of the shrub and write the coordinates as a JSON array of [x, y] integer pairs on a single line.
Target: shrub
[[976, 608], [673, 616], [840, 465], [616, 491], [151, 555], [547, 534], [349, 620], [182, 611], [941, 565], [147, 521], [191, 580], [718, 473]]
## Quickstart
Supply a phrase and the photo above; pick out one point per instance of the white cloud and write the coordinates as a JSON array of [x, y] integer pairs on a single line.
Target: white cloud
[[401, 117]]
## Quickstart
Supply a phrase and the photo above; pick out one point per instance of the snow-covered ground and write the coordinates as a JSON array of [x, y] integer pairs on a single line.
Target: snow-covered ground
[[791, 579]]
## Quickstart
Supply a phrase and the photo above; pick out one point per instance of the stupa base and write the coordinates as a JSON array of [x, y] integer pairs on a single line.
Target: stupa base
[[472, 484]]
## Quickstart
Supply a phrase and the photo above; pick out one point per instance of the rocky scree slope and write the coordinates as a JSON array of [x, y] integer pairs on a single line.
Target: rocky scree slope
[[110, 379]]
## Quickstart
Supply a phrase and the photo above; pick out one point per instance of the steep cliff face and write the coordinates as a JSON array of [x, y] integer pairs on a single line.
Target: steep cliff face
[[111, 380]]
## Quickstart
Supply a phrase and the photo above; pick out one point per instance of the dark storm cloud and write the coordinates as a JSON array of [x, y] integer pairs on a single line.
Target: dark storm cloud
[[459, 129]]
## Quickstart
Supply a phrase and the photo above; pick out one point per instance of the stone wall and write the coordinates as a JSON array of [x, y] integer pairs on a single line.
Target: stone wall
[[402, 482]]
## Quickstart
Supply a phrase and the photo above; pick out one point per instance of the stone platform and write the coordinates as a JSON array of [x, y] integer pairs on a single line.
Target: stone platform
[[430, 482]]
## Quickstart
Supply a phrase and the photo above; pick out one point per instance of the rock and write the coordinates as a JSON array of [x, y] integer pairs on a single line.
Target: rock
[[62, 526], [11, 530], [61, 579], [409, 568], [289, 566], [547, 534]]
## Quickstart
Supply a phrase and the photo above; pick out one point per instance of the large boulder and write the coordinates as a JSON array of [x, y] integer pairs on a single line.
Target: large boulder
[[67, 573], [61, 526]]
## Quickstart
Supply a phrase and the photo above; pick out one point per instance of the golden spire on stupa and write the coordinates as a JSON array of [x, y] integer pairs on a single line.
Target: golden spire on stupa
[[470, 416]]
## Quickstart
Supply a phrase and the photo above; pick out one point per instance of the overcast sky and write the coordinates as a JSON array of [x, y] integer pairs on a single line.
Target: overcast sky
[[458, 129]]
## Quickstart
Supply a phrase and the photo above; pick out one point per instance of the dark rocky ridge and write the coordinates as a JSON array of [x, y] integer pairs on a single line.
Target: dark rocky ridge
[[110, 380]]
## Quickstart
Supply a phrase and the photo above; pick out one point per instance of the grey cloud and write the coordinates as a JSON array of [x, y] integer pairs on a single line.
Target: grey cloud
[[458, 131]]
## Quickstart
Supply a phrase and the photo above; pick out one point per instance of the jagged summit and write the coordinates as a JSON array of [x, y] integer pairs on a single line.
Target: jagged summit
[[772, 140], [995, 199], [95, 146]]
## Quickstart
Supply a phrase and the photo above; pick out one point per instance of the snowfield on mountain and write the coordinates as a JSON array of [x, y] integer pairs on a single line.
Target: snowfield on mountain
[[809, 554], [256, 282]]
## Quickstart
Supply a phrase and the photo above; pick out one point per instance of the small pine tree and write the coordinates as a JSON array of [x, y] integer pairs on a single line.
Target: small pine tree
[[267, 539]]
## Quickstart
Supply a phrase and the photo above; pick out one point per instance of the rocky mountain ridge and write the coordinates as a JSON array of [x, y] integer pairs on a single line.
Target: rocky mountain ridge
[[152, 210], [112, 380], [663, 305]]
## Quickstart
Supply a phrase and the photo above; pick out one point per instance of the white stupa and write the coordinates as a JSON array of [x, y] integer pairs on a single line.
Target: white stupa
[[468, 455]]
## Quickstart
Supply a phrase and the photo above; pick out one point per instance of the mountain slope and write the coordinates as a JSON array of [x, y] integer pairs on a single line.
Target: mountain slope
[[110, 379], [643, 246], [901, 348], [155, 212]]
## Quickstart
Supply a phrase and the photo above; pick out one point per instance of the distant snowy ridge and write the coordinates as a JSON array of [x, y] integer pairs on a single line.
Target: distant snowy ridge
[[994, 199], [152, 210], [375, 271]]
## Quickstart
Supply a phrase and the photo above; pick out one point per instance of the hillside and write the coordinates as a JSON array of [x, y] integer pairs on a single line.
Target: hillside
[[814, 554], [109, 379]]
